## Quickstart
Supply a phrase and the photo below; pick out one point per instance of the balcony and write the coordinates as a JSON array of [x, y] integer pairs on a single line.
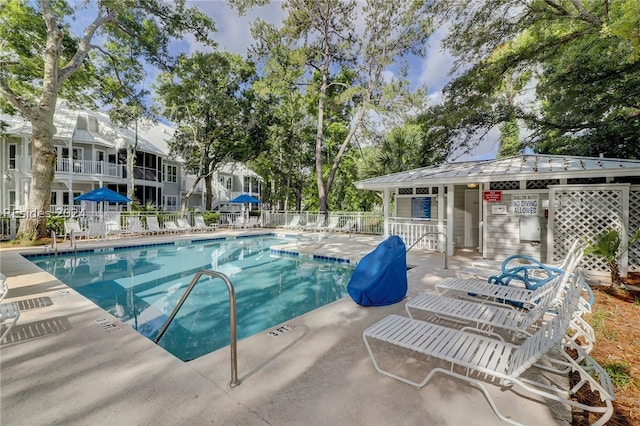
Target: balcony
[[81, 167]]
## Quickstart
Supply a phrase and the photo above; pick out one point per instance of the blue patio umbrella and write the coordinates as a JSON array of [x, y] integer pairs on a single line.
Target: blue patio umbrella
[[103, 194], [245, 198]]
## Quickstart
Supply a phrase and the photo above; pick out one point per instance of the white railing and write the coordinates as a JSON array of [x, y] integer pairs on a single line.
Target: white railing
[[363, 222], [84, 167], [412, 230]]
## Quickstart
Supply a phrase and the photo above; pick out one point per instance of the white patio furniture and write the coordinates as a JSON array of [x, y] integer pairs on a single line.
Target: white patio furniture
[[184, 225], [480, 359], [154, 226], [202, 226], [294, 224], [9, 311], [73, 226], [317, 226]]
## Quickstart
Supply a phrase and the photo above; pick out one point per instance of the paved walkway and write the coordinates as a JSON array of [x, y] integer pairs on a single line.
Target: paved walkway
[[60, 366]]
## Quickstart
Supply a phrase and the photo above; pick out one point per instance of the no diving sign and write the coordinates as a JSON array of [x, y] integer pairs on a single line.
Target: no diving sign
[[525, 205]]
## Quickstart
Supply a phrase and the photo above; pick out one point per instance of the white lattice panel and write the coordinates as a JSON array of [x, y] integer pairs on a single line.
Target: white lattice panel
[[634, 225], [585, 213]]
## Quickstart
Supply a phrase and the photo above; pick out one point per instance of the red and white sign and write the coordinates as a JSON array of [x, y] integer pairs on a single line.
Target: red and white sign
[[492, 196]]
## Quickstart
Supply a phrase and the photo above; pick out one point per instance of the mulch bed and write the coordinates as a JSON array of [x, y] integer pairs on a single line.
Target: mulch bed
[[618, 341]]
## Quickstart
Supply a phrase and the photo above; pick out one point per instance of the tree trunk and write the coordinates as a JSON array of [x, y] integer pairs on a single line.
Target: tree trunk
[[188, 194], [615, 275], [43, 162], [209, 191], [343, 147], [322, 195]]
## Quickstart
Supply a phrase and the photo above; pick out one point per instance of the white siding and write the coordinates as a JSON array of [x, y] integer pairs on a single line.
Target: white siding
[[503, 236]]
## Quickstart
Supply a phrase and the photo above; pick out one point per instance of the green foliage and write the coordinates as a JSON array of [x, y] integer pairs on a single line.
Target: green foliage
[[338, 80], [620, 374], [55, 223], [211, 218], [585, 59], [607, 246]]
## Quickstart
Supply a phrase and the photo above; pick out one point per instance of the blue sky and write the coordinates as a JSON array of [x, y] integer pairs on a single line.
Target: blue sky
[[233, 35], [433, 70]]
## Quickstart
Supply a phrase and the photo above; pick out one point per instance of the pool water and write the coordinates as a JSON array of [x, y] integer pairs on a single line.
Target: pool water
[[141, 286]]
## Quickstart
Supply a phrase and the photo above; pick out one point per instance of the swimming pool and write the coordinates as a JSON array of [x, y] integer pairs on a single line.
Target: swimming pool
[[142, 285]]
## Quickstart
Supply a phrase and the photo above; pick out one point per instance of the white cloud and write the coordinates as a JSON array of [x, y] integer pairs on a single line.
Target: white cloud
[[233, 33], [437, 64]]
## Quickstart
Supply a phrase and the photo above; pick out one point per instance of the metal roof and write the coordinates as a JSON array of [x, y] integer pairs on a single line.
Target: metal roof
[[530, 166]]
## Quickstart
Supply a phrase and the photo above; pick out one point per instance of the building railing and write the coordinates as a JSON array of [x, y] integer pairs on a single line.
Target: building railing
[[410, 230], [83, 167], [363, 222], [423, 233]]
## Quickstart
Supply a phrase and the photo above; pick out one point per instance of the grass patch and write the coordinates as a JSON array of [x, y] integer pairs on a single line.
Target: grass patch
[[20, 243], [620, 374], [600, 320]]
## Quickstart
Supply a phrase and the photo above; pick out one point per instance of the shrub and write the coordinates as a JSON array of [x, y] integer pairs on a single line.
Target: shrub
[[211, 218]]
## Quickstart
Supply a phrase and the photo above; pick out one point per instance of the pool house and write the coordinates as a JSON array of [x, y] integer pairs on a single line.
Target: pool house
[[527, 204]]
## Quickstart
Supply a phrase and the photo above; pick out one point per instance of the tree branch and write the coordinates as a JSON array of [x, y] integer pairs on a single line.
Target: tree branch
[[85, 46]]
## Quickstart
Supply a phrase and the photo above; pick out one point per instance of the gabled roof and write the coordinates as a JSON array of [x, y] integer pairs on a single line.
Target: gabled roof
[[533, 166]]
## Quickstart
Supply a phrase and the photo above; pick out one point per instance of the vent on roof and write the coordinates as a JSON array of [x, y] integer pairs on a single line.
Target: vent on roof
[[422, 190], [588, 181], [542, 183], [505, 185], [405, 191]]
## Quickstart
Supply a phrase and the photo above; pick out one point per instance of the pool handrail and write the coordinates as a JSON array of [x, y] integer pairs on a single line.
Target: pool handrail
[[232, 317], [433, 233]]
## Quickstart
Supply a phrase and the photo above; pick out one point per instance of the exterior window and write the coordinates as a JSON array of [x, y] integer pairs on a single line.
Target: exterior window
[[13, 151], [170, 202], [54, 198], [247, 184], [229, 185], [12, 200], [170, 173]]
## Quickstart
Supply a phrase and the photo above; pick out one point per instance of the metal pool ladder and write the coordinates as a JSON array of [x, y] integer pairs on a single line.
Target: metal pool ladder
[[232, 317]]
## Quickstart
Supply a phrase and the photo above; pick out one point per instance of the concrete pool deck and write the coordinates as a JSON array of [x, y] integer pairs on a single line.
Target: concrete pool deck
[[69, 362]]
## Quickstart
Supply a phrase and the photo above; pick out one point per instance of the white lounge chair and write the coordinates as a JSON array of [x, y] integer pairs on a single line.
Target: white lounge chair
[[487, 268], [202, 226], [184, 225], [477, 358], [96, 230], [134, 226], [491, 316], [9, 311], [295, 222], [317, 226], [332, 225], [171, 226], [73, 226], [154, 226], [112, 225]]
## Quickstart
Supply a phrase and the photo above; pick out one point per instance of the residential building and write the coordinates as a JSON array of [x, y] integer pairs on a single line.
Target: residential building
[[92, 152], [531, 204]]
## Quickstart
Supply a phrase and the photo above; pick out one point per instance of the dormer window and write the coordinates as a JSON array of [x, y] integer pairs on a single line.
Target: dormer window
[[81, 124], [93, 124]]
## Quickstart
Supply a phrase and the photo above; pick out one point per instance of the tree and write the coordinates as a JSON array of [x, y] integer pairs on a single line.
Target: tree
[[217, 119], [607, 246], [44, 61], [585, 60], [399, 151], [317, 39]]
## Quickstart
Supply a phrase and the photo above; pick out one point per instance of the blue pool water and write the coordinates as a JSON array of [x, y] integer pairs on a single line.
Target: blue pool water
[[141, 286]]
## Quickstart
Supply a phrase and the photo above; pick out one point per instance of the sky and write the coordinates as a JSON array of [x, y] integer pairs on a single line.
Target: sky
[[233, 35]]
